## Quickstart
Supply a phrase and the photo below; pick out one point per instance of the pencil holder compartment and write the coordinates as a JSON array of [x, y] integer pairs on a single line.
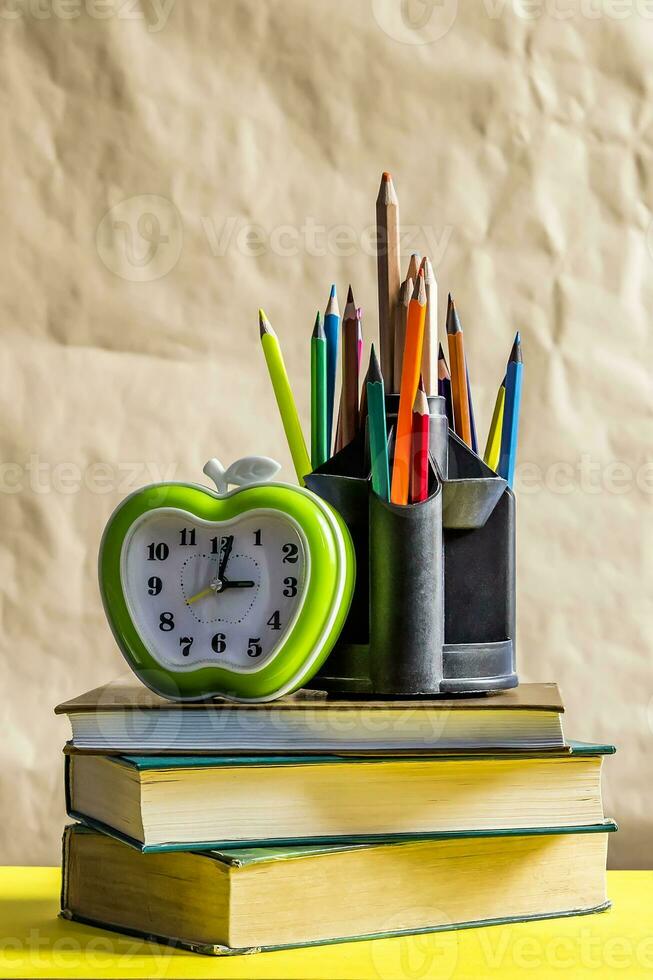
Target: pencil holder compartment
[[438, 428], [406, 595], [478, 517], [448, 624]]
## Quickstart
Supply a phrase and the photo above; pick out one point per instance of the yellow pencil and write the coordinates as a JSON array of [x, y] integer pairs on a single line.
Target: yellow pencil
[[493, 446], [285, 398]]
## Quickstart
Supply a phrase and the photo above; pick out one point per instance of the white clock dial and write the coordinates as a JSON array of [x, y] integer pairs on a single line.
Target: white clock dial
[[206, 594]]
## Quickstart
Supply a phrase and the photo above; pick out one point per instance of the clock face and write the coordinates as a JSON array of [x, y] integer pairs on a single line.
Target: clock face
[[203, 595], [240, 594]]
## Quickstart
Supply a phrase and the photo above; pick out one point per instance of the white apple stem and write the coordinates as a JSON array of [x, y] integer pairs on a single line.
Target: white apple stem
[[216, 472]]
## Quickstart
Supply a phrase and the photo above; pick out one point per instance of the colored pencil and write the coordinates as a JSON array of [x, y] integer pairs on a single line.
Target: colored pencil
[[359, 337], [363, 408], [332, 331], [444, 385], [493, 445], [459, 393], [430, 347], [510, 427], [388, 268], [401, 315], [319, 452], [409, 381], [285, 398], [349, 413], [419, 478], [413, 266], [472, 421], [375, 391]]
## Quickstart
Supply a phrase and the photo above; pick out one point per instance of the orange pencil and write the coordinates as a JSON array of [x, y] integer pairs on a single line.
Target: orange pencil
[[459, 392], [409, 380]]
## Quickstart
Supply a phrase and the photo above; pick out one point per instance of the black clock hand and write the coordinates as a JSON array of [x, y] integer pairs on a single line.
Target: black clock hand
[[237, 585], [226, 546]]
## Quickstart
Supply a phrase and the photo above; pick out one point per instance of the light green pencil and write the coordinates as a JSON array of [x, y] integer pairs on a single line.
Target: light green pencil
[[319, 452], [285, 398]]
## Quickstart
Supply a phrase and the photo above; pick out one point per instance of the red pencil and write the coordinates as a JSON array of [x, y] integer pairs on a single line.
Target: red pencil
[[419, 474]]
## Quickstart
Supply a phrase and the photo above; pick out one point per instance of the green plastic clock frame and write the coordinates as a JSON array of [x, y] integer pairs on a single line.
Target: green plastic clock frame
[[304, 647]]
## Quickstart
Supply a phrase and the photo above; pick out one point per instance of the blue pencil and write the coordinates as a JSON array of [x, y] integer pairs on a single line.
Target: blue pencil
[[510, 429], [332, 331]]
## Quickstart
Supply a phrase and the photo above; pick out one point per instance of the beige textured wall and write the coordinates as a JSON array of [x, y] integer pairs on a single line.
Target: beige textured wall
[[520, 138]]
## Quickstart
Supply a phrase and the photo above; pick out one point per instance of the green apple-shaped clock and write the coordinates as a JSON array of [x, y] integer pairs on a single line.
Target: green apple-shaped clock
[[236, 593]]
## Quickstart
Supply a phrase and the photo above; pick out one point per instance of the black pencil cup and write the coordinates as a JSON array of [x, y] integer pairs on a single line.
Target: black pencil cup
[[433, 611]]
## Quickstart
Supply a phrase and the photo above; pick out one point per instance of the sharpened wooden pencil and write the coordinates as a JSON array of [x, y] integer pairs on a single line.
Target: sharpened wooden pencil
[[459, 392], [359, 337], [413, 266], [319, 452], [409, 381], [430, 347], [444, 385], [401, 316], [510, 427], [285, 398], [419, 476], [470, 402], [388, 268], [349, 410], [332, 331], [493, 445], [377, 429]]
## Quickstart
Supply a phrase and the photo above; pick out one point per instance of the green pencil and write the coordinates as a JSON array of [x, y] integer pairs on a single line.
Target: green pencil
[[285, 398], [319, 452], [377, 429]]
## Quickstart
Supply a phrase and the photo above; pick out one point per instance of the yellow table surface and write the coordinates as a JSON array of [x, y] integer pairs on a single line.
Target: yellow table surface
[[618, 943]]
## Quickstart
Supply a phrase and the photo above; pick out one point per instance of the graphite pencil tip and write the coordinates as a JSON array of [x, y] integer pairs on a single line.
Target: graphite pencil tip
[[318, 329], [264, 324], [419, 290], [374, 370], [332, 306], [350, 308], [453, 323], [515, 353]]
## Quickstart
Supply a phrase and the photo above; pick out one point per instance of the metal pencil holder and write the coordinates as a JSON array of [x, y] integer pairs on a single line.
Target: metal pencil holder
[[434, 607]]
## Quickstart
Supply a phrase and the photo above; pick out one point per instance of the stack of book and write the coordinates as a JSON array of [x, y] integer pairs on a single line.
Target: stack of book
[[236, 827]]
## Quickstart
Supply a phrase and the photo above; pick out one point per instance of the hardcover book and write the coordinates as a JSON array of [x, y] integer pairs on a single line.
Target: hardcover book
[[244, 900], [127, 718], [168, 803]]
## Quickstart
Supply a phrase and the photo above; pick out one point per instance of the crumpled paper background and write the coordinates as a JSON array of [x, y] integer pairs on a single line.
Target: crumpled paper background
[[168, 167]]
